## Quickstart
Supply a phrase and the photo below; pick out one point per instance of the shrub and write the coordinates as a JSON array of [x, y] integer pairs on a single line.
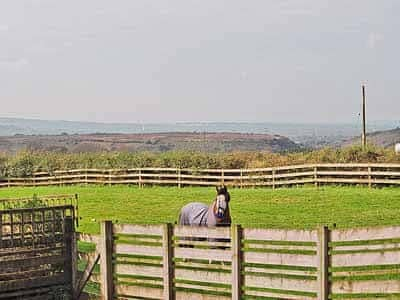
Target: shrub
[[23, 164]]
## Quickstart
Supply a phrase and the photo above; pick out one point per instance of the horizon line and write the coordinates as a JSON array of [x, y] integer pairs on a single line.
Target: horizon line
[[197, 122]]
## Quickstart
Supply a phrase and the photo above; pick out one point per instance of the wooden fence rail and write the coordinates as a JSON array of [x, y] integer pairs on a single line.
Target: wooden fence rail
[[317, 174], [177, 262]]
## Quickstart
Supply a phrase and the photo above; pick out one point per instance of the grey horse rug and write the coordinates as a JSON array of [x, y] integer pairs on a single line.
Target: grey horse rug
[[196, 214]]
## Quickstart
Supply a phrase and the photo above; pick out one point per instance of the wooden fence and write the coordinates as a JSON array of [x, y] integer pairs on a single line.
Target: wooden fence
[[317, 174], [175, 262]]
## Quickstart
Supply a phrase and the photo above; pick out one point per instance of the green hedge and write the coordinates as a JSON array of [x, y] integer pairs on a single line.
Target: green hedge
[[25, 163]]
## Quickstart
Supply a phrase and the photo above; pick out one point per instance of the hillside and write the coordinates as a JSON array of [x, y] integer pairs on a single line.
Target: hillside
[[159, 142], [385, 138]]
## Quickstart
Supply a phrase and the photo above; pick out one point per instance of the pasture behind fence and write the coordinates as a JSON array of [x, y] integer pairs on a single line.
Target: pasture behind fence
[[178, 262], [317, 174]]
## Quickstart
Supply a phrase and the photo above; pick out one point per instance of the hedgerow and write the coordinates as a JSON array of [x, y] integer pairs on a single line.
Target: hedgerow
[[25, 163]]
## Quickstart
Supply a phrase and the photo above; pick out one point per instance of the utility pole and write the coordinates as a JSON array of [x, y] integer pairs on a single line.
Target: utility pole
[[364, 133]]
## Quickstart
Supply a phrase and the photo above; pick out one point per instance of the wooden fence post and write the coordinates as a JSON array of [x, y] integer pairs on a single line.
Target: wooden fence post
[[106, 265], [168, 266], [237, 259], [140, 178], [222, 176], [74, 256], [369, 177], [273, 178], [315, 176], [76, 213], [1, 230], [70, 262], [324, 263], [241, 178], [179, 177]]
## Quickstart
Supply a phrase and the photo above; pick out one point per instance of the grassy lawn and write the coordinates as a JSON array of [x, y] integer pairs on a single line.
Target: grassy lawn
[[305, 207]]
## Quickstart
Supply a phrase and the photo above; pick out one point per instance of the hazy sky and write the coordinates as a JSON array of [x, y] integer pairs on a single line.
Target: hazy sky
[[199, 60]]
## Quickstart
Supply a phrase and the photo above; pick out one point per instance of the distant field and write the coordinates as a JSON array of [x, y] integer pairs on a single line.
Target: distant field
[[305, 207]]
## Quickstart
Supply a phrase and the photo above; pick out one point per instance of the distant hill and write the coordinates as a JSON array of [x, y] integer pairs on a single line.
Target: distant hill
[[384, 138], [309, 135], [7, 129], [209, 142]]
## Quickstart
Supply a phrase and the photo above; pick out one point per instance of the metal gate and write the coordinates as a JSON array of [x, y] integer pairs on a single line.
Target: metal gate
[[36, 252]]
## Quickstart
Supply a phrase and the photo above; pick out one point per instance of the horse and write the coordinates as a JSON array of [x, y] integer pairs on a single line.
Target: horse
[[199, 214]]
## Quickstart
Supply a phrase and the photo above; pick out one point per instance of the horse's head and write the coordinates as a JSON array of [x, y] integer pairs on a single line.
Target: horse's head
[[221, 206]]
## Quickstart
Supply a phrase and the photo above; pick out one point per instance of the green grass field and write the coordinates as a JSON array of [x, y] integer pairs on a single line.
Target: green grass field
[[305, 207]]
